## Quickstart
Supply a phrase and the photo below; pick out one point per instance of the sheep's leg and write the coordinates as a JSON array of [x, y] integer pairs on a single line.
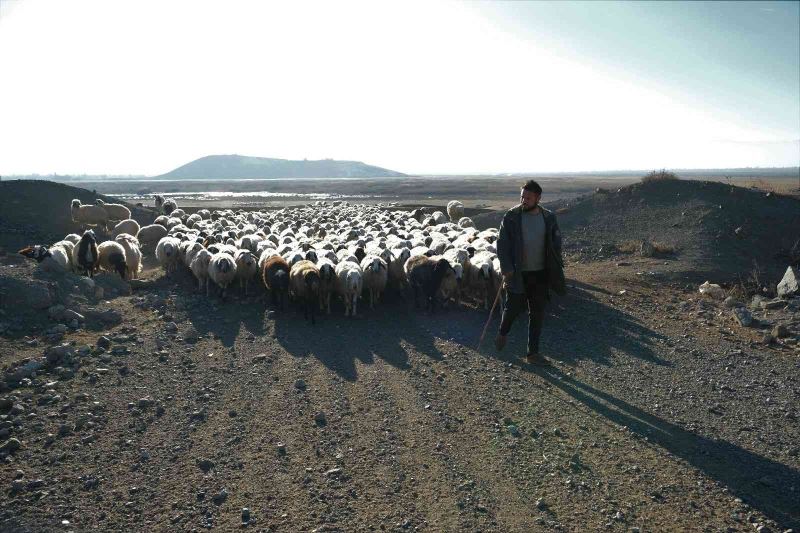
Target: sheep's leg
[[328, 302], [355, 301]]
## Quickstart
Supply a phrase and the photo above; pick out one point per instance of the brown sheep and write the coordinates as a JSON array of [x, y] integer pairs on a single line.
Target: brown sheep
[[275, 275]]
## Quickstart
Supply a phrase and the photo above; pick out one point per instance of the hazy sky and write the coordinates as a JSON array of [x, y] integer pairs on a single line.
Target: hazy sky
[[142, 87]]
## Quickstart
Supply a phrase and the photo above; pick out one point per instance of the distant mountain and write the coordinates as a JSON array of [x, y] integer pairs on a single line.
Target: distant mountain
[[243, 167]]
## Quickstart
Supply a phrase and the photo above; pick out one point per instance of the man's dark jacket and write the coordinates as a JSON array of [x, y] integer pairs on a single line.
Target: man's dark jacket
[[510, 253]]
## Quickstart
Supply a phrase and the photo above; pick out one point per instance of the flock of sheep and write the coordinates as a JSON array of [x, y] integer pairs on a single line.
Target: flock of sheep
[[306, 253]]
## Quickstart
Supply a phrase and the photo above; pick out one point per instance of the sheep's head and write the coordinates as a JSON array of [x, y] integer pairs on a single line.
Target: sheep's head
[[117, 260], [89, 235], [99, 202], [37, 253], [312, 281], [224, 265], [326, 272], [311, 255], [76, 204]]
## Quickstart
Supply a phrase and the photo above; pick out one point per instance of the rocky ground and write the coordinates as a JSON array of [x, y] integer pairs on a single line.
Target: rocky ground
[[152, 408]]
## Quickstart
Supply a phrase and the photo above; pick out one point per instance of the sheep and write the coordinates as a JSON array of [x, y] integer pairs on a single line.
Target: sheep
[[222, 270], [56, 258], [199, 267], [74, 238], [375, 277], [193, 220], [149, 236], [425, 277], [482, 276], [397, 276], [115, 211], [455, 210], [275, 275], [111, 258], [165, 206], [327, 276], [246, 267], [465, 222], [90, 215], [167, 253], [84, 255], [451, 282], [129, 226], [305, 281], [349, 284], [133, 255]]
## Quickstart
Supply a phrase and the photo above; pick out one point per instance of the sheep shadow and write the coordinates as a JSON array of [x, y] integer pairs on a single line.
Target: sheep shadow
[[761, 482], [387, 332], [579, 326]]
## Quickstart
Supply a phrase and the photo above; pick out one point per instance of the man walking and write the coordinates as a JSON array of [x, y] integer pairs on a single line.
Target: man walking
[[529, 249]]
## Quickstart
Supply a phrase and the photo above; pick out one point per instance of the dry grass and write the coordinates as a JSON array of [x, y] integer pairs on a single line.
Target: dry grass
[[634, 246], [787, 188], [659, 175]]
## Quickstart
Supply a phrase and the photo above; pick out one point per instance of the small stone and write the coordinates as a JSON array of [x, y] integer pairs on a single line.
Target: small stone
[[145, 403], [260, 358], [743, 316], [281, 448], [540, 504], [10, 446], [333, 472], [245, 515], [780, 331], [205, 464], [300, 385], [220, 497], [789, 285], [731, 302], [320, 419], [171, 327]]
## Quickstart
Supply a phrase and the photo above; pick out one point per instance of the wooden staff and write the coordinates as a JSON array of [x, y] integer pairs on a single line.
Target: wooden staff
[[496, 299]]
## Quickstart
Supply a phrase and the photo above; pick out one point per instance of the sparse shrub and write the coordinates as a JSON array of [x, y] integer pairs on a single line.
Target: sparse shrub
[[628, 247], [659, 175], [662, 248]]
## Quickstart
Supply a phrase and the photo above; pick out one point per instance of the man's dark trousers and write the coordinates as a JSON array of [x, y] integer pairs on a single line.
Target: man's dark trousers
[[535, 294]]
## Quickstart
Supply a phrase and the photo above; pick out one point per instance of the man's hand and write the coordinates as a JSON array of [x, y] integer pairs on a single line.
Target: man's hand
[[507, 279]]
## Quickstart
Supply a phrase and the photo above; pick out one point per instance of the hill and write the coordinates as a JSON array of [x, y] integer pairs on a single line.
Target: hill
[[38, 211], [717, 231], [244, 167]]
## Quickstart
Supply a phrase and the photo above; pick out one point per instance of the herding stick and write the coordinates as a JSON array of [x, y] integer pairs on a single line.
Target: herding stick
[[496, 299]]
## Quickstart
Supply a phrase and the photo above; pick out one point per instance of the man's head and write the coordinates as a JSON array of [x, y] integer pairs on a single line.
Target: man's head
[[529, 195]]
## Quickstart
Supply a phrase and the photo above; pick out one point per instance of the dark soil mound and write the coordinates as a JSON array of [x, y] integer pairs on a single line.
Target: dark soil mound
[[38, 212], [717, 230]]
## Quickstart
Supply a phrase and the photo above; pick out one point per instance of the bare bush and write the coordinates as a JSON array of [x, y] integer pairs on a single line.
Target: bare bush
[[659, 175]]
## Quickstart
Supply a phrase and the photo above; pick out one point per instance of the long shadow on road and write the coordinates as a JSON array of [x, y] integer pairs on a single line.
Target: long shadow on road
[[761, 482]]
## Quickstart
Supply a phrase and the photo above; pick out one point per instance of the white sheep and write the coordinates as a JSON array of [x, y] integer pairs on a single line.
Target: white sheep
[[149, 236], [167, 253], [222, 270], [482, 276], [133, 254], [397, 275], [199, 267], [129, 226], [375, 276], [165, 206], [455, 210], [92, 215], [349, 284], [74, 238], [115, 211], [55, 258]]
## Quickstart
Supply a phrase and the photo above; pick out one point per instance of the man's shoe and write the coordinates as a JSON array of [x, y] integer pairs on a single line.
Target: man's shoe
[[500, 342], [537, 359]]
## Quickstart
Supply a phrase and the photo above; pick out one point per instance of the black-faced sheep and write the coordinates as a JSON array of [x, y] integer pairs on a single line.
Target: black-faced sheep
[[327, 276], [275, 275], [84, 255], [305, 283], [111, 258], [425, 277]]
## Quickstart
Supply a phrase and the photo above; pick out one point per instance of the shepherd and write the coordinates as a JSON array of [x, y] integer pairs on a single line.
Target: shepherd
[[529, 249]]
